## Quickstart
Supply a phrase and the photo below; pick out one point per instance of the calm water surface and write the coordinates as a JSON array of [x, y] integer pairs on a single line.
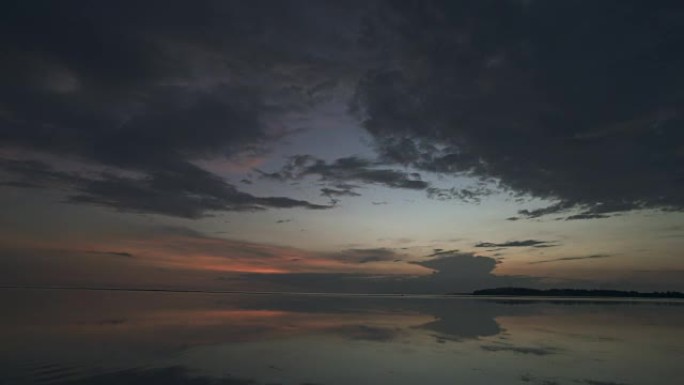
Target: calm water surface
[[98, 337]]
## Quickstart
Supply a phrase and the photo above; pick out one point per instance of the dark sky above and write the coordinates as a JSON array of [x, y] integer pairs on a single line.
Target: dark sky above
[[421, 146]]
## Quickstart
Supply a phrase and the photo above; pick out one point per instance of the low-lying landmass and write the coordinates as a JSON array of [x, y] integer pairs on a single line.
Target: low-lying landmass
[[521, 291]]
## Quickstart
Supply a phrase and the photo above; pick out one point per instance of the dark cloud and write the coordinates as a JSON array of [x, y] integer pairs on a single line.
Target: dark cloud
[[595, 382], [533, 350], [586, 216], [380, 254], [131, 91], [595, 211], [331, 192], [114, 253], [33, 173], [438, 252], [345, 174], [186, 191], [178, 195], [595, 256], [19, 184], [525, 243], [578, 103], [334, 193], [462, 194], [464, 272], [456, 264], [514, 93], [555, 208], [452, 273], [344, 170]]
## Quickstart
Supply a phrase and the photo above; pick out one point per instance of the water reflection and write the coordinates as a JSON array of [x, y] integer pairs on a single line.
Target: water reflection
[[90, 337]]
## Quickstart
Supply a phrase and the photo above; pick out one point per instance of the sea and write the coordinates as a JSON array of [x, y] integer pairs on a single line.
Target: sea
[[107, 337]]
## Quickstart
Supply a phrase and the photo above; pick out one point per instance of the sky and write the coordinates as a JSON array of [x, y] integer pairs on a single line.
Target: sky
[[342, 146]]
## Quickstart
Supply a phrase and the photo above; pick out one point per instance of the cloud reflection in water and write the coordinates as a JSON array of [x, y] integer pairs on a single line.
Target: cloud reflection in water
[[87, 337]]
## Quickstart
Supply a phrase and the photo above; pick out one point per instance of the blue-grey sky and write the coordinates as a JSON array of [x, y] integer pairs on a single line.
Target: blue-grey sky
[[382, 146]]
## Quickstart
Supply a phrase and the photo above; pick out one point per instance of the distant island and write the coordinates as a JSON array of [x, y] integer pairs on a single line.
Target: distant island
[[521, 291]]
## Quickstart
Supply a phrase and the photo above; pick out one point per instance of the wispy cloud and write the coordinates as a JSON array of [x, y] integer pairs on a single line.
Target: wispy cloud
[[343, 172], [525, 243], [595, 256], [183, 190]]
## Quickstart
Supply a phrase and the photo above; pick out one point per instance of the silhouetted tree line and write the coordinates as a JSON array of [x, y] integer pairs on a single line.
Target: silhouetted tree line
[[522, 291]]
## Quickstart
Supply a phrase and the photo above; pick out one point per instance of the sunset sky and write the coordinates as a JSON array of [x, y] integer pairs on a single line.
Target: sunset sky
[[342, 146]]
